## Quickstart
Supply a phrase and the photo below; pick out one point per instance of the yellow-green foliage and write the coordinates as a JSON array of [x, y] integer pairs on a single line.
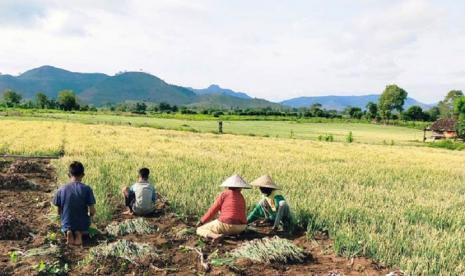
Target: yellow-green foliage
[[120, 249], [398, 204], [274, 250], [130, 226], [38, 138]]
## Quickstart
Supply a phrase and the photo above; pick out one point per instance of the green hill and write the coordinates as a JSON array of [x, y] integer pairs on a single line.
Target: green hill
[[136, 86], [99, 89], [222, 101], [49, 80]]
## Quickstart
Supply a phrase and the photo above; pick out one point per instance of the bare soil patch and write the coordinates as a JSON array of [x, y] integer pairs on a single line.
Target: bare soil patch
[[11, 228], [16, 182], [28, 166], [173, 239]]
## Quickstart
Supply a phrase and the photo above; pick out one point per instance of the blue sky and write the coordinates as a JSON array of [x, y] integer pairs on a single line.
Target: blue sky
[[270, 49]]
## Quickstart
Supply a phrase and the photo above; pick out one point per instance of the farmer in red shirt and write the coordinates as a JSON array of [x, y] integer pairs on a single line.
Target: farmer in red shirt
[[230, 204]]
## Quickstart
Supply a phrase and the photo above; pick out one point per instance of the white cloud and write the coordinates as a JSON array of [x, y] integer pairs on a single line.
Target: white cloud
[[20, 13], [271, 49]]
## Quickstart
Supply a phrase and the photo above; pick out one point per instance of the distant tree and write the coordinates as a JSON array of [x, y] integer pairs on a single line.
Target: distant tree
[[218, 113], [459, 109], [393, 98], [11, 98], [316, 110], [41, 100], [67, 100], [28, 104], [122, 107], [414, 113], [163, 107], [140, 108], [52, 103], [434, 113], [354, 112], [371, 110], [446, 106]]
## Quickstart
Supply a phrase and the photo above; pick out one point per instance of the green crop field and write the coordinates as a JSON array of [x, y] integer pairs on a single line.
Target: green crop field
[[362, 132], [401, 205]]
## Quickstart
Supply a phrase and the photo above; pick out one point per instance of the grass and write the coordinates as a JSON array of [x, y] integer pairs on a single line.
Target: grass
[[304, 129], [448, 144], [400, 205], [47, 137]]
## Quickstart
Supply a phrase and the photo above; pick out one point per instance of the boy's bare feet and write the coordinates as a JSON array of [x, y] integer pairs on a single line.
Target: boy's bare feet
[[78, 240], [69, 238], [128, 212], [216, 238]]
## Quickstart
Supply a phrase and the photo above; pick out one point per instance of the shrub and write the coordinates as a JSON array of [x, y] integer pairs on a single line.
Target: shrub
[[448, 144], [326, 138], [350, 137], [217, 114]]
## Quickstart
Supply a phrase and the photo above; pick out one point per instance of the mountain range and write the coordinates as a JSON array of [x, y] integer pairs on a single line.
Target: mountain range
[[341, 102], [99, 89]]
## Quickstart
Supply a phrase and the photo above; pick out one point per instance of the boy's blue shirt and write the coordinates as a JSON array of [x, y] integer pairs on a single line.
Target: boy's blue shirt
[[74, 199]]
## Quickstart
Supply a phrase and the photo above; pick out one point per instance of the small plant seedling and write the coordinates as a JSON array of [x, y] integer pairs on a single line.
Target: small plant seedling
[[56, 268], [13, 256], [350, 137], [93, 232], [200, 243], [51, 237], [41, 266]]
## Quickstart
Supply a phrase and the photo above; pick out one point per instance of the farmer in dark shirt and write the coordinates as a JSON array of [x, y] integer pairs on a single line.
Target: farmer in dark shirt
[[75, 202]]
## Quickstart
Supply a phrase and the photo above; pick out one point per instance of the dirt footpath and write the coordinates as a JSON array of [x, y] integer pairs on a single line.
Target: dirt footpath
[[26, 189]]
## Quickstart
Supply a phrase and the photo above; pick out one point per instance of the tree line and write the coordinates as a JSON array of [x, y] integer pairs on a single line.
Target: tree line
[[390, 106], [66, 100]]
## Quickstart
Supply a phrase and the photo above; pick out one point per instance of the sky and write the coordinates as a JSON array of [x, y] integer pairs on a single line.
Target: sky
[[270, 49]]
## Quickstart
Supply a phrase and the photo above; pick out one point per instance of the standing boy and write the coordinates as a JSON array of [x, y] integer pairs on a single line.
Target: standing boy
[[140, 198], [75, 202]]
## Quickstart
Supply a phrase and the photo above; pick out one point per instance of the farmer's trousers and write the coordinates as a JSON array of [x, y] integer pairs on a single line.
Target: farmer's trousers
[[218, 227], [282, 214], [130, 200]]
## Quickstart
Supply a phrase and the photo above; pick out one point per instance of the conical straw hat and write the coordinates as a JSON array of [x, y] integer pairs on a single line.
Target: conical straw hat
[[265, 181], [236, 181]]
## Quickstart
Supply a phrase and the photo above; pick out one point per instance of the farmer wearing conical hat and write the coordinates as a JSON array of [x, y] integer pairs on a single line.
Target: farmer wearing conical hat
[[230, 205], [272, 207]]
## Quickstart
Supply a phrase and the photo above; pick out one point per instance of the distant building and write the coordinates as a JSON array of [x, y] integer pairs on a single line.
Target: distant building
[[444, 129]]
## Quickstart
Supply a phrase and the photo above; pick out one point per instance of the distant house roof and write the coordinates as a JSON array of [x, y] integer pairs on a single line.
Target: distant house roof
[[446, 124]]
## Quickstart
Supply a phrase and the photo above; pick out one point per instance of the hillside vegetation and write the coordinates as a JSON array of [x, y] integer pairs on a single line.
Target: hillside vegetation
[[98, 89]]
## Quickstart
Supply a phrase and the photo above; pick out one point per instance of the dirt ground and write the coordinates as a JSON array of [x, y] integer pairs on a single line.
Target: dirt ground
[[32, 207]]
